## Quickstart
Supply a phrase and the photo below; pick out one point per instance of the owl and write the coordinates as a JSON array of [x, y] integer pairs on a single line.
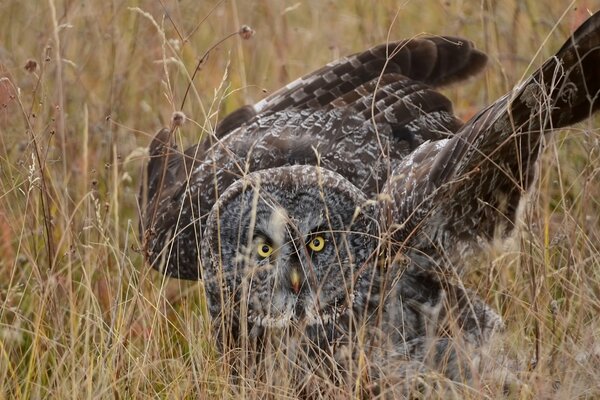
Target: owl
[[358, 116], [292, 255], [354, 250]]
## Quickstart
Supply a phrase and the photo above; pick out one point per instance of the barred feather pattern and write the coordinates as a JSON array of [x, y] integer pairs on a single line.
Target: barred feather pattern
[[451, 196], [374, 125], [358, 116]]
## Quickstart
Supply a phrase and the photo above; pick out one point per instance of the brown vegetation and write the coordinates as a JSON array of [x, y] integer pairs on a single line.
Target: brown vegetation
[[85, 85]]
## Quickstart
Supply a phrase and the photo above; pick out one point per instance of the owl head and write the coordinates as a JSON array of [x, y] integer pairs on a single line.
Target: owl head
[[286, 247]]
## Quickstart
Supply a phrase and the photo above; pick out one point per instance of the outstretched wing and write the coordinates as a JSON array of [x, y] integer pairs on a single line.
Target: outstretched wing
[[356, 116], [434, 61], [450, 194]]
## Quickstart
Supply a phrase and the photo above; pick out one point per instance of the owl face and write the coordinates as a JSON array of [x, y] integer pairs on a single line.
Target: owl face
[[287, 246]]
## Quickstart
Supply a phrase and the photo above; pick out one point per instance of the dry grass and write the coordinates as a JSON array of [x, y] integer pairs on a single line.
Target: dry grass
[[80, 316]]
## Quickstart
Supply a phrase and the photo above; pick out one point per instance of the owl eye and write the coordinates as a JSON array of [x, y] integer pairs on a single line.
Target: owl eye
[[264, 250], [317, 243]]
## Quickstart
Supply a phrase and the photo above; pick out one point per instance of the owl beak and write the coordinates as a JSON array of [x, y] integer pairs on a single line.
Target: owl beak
[[295, 280]]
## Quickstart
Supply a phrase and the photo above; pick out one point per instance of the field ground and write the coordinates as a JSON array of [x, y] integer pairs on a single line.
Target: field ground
[[82, 317]]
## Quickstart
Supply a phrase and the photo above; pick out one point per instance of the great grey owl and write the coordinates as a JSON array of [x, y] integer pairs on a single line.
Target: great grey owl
[[358, 116], [341, 208], [295, 251]]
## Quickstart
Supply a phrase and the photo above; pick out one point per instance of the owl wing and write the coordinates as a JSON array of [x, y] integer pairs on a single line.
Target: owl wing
[[362, 80], [434, 61], [335, 116], [450, 194], [387, 91]]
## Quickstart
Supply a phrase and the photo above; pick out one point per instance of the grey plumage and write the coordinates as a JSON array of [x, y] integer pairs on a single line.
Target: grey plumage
[[286, 208], [342, 288], [373, 164], [454, 194], [357, 116]]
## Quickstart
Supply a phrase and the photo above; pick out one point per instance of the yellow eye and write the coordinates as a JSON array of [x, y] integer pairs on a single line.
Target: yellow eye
[[317, 243], [264, 250]]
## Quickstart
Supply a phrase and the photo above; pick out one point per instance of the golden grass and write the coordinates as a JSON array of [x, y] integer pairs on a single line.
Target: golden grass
[[82, 317]]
